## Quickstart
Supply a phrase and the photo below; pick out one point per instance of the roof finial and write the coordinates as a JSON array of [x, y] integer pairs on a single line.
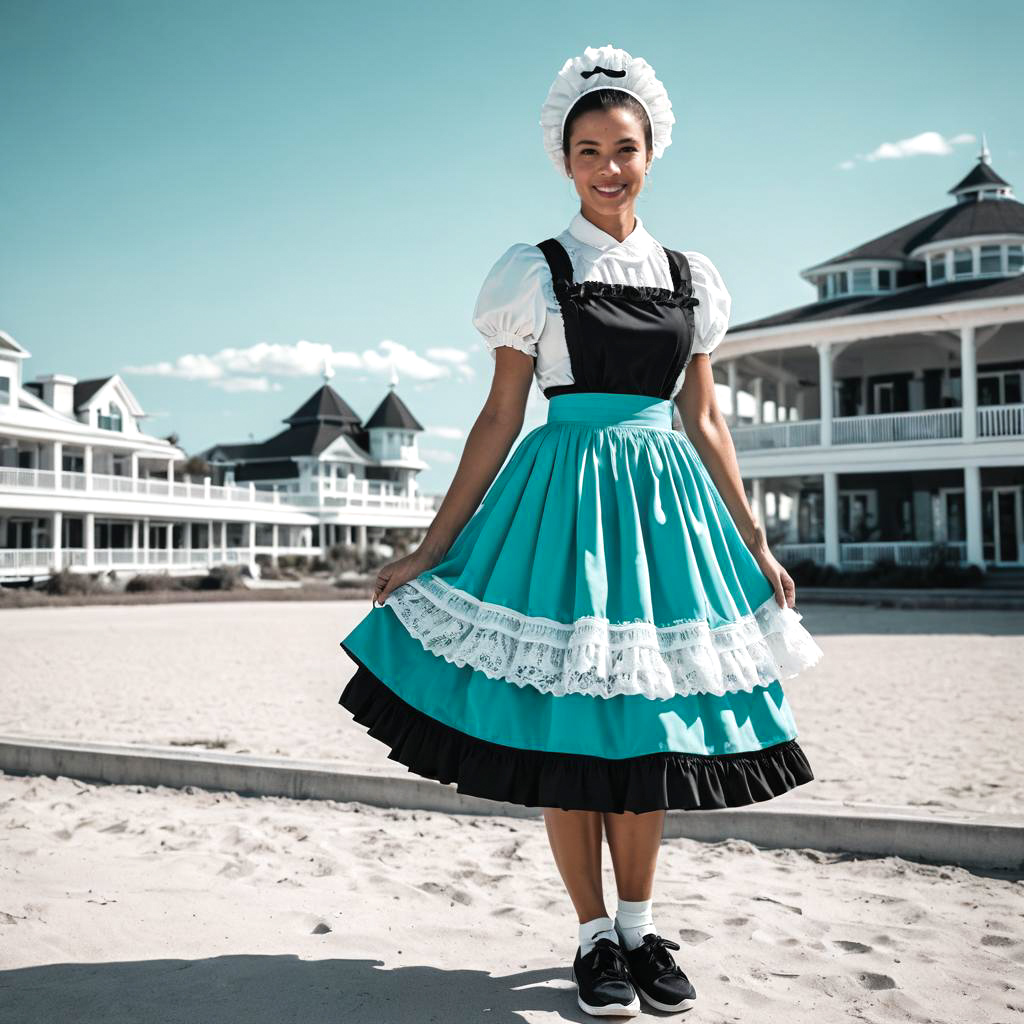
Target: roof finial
[[394, 376], [984, 156], [328, 369]]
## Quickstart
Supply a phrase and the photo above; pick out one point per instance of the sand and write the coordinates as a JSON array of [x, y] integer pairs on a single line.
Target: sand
[[915, 708], [121, 905]]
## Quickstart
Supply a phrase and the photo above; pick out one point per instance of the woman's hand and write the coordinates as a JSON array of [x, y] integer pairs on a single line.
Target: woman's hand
[[401, 570], [782, 583]]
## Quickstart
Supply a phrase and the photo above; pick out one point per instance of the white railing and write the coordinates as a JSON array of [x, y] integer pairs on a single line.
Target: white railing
[[352, 493], [1001, 420], [787, 434], [902, 552], [889, 427], [787, 553], [26, 558]]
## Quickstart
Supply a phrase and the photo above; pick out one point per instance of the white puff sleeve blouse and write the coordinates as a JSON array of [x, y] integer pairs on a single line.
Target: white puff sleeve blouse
[[711, 314], [517, 305], [512, 308]]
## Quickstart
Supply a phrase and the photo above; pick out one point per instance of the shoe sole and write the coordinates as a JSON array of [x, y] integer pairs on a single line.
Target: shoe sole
[[686, 1004], [609, 1009]]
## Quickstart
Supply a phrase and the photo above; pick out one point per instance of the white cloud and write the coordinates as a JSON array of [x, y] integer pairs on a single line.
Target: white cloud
[[922, 144], [248, 369], [446, 433], [437, 455]]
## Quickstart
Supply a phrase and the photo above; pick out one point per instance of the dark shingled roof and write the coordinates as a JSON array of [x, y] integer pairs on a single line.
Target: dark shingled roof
[[989, 217], [324, 405], [980, 174], [279, 470], [85, 389], [393, 412], [860, 305]]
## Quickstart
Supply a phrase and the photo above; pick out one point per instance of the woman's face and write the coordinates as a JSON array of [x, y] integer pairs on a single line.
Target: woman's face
[[607, 159]]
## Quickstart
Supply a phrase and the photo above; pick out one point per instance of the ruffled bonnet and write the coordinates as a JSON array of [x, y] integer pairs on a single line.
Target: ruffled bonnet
[[605, 67]]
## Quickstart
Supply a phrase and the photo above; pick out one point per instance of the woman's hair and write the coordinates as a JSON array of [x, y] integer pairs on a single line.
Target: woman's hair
[[606, 99]]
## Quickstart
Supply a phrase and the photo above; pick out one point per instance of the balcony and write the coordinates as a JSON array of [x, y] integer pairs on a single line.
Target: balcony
[[929, 425], [348, 493]]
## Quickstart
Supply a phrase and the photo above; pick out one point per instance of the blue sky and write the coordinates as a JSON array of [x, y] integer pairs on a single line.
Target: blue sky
[[212, 192]]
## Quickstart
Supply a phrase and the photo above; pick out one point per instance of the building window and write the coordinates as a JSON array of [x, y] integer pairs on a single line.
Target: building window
[[963, 263], [991, 260], [862, 279], [840, 286], [822, 287], [937, 264], [1000, 388], [1014, 258], [5, 390], [112, 419], [884, 280]]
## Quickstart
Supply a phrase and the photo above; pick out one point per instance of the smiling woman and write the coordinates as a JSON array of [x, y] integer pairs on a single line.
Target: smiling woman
[[604, 634]]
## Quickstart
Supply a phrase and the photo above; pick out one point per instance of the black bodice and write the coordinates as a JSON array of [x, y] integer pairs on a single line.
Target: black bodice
[[623, 338]]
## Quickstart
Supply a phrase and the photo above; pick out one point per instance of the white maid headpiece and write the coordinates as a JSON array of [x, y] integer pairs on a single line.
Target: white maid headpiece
[[605, 67]]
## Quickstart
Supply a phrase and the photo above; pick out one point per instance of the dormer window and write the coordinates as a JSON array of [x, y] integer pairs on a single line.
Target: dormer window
[[5, 390], [937, 268], [991, 260], [112, 419], [1014, 259], [862, 279], [963, 263]]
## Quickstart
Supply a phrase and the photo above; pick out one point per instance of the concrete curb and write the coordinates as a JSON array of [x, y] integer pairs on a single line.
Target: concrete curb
[[974, 841]]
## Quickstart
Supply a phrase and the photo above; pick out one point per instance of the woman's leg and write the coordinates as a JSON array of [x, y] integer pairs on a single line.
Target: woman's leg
[[634, 841], [575, 838]]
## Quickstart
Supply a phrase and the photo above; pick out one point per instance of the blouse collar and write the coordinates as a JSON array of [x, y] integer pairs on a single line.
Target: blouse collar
[[637, 243]]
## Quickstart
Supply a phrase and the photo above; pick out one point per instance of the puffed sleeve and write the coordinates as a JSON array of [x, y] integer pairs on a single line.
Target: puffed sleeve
[[511, 308], [711, 314]]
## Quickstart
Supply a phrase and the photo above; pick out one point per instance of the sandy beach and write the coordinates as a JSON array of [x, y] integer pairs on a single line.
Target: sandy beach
[[123, 904], [915, 708]]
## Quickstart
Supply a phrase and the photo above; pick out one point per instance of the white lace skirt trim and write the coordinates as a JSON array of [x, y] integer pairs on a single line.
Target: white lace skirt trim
[[602, 659]]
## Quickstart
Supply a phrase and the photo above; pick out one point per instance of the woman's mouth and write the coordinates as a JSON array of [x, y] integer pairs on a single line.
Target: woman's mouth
[[610, 191]]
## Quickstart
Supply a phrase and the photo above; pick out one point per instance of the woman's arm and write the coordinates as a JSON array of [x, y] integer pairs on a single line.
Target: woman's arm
[[707, 430], [490, 439]]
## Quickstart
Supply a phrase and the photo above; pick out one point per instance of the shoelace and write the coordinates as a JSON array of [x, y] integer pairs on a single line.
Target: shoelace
[[657, 948], [610, 962]]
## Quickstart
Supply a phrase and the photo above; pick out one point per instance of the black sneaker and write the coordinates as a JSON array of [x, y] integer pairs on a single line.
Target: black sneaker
[[602, 981], [656, 976]]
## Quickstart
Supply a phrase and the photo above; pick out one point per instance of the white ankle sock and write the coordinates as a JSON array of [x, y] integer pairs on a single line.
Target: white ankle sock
[[634, 920], [598, 928]]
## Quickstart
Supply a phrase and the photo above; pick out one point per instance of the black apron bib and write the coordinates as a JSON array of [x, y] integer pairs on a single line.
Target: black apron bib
[[623, 338]]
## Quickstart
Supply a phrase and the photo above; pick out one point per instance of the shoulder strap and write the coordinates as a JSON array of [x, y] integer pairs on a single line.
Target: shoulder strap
[[558, 260], [679, 266]]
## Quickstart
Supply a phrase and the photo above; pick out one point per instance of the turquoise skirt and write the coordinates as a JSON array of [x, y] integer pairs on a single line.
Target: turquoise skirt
[[597, 636]]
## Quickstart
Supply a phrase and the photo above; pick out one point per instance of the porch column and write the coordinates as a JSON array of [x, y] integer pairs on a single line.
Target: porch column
[[145, 540], [830, 480], [209, 539], [57, 528], [734, 390], [273, 543], [972, 503], [757, 505], [781, 409], [169, 543], [969, 390], [135, 542], [825, 394], [252, 539], [57, 456], [90, 539], [361, 539], [135, 472], [322, 538], [170, 471], [758, 399], [87, 465]]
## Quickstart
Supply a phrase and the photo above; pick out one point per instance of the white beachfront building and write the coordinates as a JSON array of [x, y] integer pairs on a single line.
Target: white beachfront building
[[888, 415], [83, 486]]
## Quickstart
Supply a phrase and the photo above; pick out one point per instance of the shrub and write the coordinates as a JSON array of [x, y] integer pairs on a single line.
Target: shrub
[[222, 577], [155, 581], [68, 582]]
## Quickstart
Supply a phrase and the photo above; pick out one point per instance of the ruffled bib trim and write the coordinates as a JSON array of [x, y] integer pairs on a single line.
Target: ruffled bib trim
[[580, 291], [602, 659]]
